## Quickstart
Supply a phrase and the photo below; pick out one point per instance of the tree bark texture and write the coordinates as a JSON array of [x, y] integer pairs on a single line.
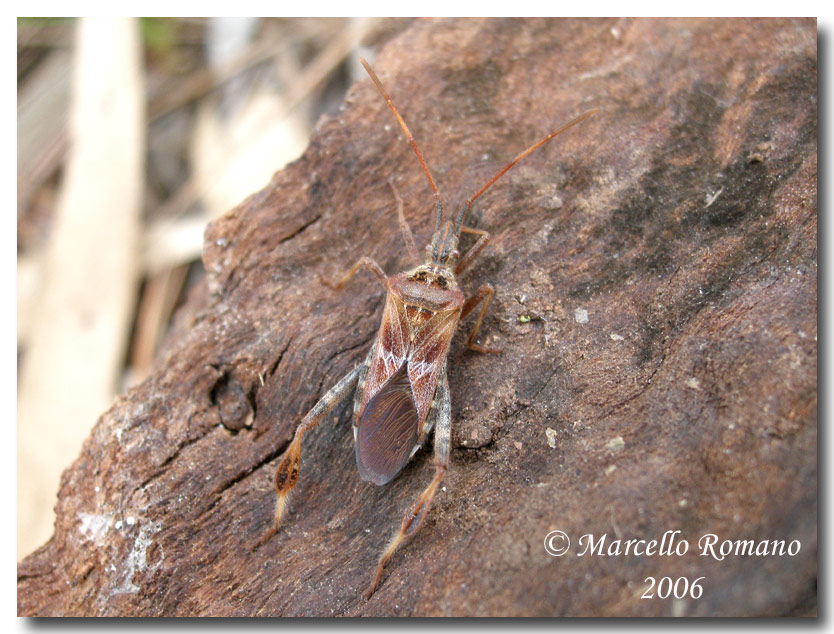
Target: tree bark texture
[[656, 307]]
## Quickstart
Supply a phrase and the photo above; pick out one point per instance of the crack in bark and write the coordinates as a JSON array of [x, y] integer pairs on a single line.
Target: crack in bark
[[640, 392], [242, 475], [274, 367], [163, 466], [302, 228]]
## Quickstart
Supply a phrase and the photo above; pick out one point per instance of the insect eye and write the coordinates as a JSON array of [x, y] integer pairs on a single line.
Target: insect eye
[[442, 281], [455, 253]]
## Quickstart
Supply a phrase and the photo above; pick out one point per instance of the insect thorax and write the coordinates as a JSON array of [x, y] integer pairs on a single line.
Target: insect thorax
[[424, 292]]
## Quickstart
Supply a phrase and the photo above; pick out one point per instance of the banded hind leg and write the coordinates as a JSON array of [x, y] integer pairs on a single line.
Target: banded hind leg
[[286, 476], [416, 515]]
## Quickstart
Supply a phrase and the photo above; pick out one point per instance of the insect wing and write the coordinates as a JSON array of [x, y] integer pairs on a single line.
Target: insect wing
[[428, 356], [391, 348], [387, 430]]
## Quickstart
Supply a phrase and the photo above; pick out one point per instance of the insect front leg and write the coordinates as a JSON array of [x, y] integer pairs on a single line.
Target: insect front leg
[[408, 237], [466, 260], [415, 516], [287, 474], [484, 295]]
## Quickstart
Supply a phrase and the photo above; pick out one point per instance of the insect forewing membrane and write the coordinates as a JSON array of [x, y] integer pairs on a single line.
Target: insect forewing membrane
[[387, 430]]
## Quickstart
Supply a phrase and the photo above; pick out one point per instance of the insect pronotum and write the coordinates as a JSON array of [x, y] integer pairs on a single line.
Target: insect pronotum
[[401, 390]]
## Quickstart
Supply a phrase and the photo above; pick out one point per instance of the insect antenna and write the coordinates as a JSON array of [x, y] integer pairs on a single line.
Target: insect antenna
[[506, 168], [410, 139]]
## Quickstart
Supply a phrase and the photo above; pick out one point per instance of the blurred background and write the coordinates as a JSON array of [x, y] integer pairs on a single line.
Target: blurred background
[[132, 134]]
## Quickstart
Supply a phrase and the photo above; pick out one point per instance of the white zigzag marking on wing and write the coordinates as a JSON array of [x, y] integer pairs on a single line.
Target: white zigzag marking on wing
[[417, 369], [390, 360], [421, 368]]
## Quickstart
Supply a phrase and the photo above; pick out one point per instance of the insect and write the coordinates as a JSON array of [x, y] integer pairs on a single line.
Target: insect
[[401, 389]]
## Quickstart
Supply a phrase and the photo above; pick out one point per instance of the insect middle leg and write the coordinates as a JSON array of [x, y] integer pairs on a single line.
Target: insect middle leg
[[287, 474], [415, 516], [375, 268]]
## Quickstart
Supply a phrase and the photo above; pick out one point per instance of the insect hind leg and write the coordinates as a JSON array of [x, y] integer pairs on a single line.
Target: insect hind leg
[[286, 476], [416, 515]]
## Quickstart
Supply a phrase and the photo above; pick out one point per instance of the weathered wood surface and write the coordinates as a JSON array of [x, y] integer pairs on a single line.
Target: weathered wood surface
[[682, 218]]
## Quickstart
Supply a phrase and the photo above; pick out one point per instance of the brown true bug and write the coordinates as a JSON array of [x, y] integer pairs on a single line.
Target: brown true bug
[[401, 387]]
